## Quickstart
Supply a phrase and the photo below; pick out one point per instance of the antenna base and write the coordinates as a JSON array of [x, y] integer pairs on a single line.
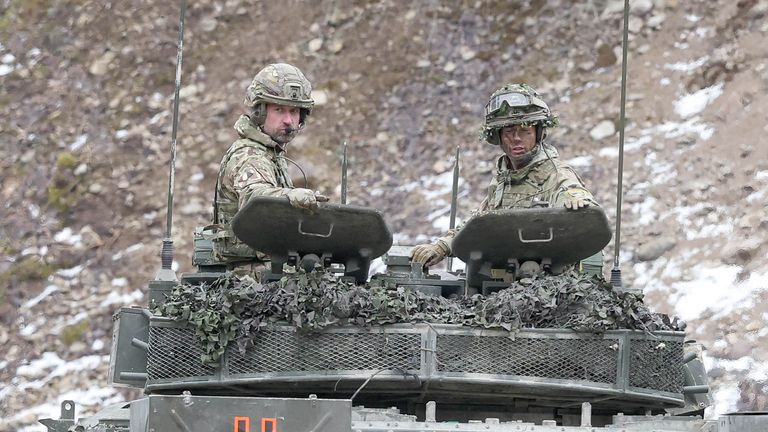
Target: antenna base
[[617, 283], [166, 272]]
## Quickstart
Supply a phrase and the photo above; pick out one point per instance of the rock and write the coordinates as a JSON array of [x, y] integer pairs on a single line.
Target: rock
[[449, 67], [101, 65], [315, 44], [635, 24], [188, 91], [208, 24], [742, 252], [654, 249], [423, 63], [613, 7], [192, 207], [77, 347], [336, 46], [606, 56], [90, 238], [760, 9], [95, 188], [656, 20], [467, 53], [716, 372], [28, 156], [604, 129], [640, 7], [439, 166]]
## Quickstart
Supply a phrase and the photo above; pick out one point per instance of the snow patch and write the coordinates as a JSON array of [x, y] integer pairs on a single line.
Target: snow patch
[[5, 70], [695, 103], [580, 161], [67, 236], [70, 272], [690, 126], [28, 330], [79, 142], [122, 299], [711, 284], [127, 251], [50, 289], [631, 144], [645, 210], [725, 399], [687, 67]]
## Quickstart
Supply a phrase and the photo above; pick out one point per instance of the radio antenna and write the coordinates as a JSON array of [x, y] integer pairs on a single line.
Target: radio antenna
[[616, 271], [454, 200], [344, 174], [166, 255]]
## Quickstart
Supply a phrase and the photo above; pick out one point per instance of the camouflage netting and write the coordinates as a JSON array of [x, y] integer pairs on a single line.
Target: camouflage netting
[[236, 308]]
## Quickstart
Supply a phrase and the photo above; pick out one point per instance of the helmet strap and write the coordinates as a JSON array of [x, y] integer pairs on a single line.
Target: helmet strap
[[259, 114], [523, 161]]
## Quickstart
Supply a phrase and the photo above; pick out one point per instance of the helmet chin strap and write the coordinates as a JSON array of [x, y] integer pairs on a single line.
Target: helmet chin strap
[[523, 160]]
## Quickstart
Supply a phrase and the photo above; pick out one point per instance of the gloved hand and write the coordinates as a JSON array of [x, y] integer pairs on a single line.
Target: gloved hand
[[576, 197], [429, 254], [305, 198]]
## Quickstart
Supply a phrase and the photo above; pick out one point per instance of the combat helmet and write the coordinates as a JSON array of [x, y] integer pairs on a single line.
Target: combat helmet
[[282, 84], [516, 104]]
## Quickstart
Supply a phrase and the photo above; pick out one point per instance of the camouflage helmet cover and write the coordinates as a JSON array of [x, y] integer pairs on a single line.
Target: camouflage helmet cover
[[280, 84], [516, 104]]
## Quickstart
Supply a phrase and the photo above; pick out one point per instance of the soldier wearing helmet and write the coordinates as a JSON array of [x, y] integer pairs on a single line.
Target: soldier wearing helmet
[[529, 173], [279, 101]]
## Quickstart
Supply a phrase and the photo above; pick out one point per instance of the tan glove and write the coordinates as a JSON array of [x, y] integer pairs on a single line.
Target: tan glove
[[305, 198], [576, 197], [429, 254]]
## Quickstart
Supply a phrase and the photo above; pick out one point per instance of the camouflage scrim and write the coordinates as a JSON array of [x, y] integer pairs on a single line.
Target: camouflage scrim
[[253, 166], [543, 182]]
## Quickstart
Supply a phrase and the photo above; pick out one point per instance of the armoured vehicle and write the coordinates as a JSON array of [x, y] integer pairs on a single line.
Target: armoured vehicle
[[405, 377]]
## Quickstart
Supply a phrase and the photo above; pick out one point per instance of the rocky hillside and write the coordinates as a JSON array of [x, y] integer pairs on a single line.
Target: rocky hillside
[[86, 93]]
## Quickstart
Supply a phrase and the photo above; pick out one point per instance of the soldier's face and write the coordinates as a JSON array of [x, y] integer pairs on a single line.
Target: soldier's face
[[517, 141], [282, 122]]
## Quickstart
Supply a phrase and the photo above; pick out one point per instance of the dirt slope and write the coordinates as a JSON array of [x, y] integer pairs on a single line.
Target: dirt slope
[[86, 93]]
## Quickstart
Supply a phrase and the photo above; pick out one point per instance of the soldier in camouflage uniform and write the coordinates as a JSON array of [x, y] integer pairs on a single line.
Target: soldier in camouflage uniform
[[529, 173], [279, 100]]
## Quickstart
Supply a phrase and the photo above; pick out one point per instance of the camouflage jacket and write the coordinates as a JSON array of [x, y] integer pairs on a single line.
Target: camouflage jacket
[[252, 166], [541, 182]]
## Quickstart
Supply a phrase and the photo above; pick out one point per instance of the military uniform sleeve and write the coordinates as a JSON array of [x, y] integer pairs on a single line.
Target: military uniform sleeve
[[253, 174], [567, 179]]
